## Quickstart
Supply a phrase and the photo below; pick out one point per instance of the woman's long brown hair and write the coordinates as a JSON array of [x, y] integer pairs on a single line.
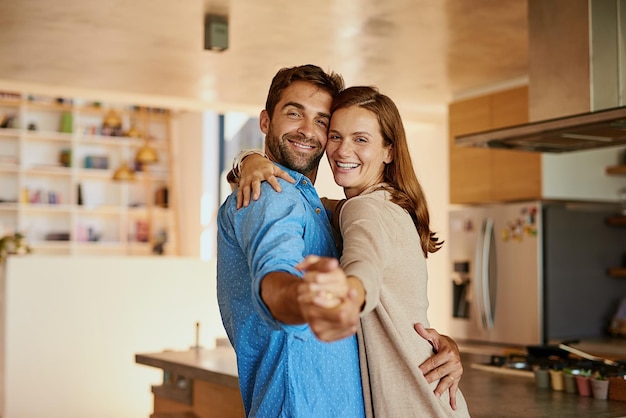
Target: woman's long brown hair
[[406, 190]]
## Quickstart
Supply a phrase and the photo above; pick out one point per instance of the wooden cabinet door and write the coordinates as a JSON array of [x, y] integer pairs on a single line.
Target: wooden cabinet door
[[470, 168], [516, 175], [482, 175]]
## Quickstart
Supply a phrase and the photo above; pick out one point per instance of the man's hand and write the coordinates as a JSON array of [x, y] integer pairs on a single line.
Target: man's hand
[[331, 324], [445, 365], [327, 302]]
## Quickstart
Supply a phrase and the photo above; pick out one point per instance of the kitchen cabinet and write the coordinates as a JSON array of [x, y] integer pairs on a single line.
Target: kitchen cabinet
[[481, 175], [58, 156]]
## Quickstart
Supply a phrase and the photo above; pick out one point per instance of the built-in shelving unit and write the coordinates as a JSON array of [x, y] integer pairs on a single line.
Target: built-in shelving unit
[[58, 156]]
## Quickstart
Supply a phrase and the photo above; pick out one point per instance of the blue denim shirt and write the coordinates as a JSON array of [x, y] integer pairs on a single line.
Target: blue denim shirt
[[284, 370]]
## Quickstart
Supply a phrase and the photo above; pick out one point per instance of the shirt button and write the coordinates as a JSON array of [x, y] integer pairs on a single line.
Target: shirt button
[[318, 210], [304, 182]]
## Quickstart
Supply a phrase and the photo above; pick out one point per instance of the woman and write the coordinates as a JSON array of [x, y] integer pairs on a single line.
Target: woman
[[384, 225]]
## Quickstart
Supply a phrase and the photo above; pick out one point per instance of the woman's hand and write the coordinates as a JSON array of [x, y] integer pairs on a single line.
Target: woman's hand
[[254, 170], [324, 283], [329, 305]]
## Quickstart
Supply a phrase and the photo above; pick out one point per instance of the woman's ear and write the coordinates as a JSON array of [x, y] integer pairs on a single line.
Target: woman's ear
[[264, 121], [389, 155]]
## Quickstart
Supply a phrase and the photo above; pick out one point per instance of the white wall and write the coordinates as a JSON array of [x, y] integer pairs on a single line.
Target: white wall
[[428, 143], [582, 175], [74, 325]]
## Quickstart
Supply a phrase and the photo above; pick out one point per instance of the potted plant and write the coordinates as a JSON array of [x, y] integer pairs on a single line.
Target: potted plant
[[13, 244], [542, 377], [569, 379], [582, 382], [556, 379], [599, 385]]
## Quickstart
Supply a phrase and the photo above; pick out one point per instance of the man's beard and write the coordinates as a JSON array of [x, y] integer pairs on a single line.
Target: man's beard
[[285, 154]]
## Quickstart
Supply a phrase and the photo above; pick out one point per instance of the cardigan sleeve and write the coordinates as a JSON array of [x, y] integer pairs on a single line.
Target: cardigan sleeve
[[367, 239]]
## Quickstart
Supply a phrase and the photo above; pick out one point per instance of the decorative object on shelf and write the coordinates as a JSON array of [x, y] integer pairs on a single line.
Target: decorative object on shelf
[[57, 236], [13, 244], [161, 197], [124, 173], [112, 124], [65, 157], [142, 233], [67, 123], [159, 243], [146, 154], [100, 162], [7, 121], [133, 132]]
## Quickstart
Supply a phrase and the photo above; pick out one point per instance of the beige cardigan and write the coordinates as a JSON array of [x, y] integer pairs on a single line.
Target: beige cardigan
[[381, 247]]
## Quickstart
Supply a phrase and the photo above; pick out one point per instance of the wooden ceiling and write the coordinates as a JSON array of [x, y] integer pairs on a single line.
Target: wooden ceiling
[[419, 52]]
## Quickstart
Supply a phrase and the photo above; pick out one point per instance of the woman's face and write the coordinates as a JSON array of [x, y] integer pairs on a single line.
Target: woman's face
[[355, 149]]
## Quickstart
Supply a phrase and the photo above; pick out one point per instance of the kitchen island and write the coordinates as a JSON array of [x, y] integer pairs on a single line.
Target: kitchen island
[[211, 382]]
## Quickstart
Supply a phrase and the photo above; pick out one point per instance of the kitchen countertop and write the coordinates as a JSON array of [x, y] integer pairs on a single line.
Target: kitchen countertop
[[492, 394], [488, 393], [218, 365]]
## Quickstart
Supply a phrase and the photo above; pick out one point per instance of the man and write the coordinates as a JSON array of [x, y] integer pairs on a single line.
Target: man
[[284, 370]]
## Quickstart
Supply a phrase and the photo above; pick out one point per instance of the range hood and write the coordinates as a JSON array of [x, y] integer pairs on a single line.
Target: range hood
[[584, 131], [576, 83]]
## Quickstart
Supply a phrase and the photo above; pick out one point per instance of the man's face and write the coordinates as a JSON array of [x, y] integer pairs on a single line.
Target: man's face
[[296, 136]]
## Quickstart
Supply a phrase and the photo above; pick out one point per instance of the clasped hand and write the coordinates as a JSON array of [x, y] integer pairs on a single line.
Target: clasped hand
[[328, 304]]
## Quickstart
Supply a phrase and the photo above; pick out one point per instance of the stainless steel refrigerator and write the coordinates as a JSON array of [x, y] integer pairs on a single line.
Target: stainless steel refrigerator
[[534, 272]]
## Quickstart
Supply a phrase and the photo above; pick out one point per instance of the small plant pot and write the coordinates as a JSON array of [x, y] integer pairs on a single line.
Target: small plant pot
[[556, 377], [542, 378], [600, 388], [583, 385], [570, 383]]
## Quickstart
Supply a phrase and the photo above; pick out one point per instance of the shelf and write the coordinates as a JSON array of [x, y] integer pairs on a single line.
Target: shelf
[[10, 102], [48, 106], [99, 210], [9, 168], [617, 220], [110, 141], [47, 136], [9, 133], [8, 207], [48, 170], [44, 164], [619, 170], [96, 173], [46, 208], [617, 272]]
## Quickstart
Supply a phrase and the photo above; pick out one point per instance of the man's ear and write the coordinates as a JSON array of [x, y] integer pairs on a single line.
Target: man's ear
[[264, 121]]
